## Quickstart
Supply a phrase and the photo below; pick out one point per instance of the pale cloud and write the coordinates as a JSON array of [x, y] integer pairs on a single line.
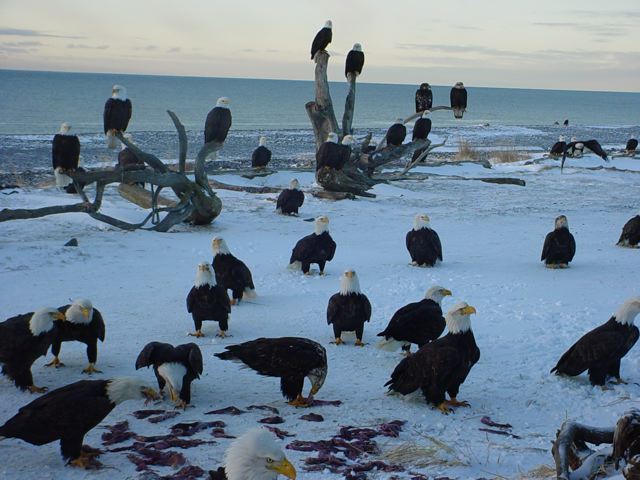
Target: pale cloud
[[25, 32], [82, 46]]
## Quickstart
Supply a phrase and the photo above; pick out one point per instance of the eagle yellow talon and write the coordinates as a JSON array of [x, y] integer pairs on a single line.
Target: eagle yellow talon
[[181, 404], [233, 301], [56, 363], [338, 341], [444, 409], [456, 403], [359, 343], [197, 334], [34, 389], [222, 334], [300, 402], [91, 369]]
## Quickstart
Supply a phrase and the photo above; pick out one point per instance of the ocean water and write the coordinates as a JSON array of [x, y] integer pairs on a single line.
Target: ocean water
[[33, 104]]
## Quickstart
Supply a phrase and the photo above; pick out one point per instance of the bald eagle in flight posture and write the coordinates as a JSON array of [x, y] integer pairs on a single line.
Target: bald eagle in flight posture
[[174, 367], [440, 366], [354, 63], [396, 133], [418, 322], [290, 199], [348, 309], [68, 413], [322, 39], [575, 148], [117, 113], [231, 273], [84, 324], [291, 358], [23, 339], [559, 246], [254, 456], [458, 99], [318, 248], [600, 350], [423, 243], [208, 301], [630, 236], [261, 156], [424, 98], [65, 156]]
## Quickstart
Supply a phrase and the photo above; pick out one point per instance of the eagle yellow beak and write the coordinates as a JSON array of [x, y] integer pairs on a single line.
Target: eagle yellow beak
[[468, 310], [85, 312], [60, 316], [284, 468], [314, 390], [149, 394], [446, 292]]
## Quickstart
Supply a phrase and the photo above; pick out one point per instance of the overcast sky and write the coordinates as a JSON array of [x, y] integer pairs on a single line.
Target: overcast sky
[[569, 44]]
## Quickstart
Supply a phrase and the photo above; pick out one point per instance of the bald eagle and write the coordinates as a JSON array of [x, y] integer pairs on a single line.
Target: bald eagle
[[630, 236], [208, 301], [348, 309], [440, 366], [418, 322], [422, 127], [322, 39], [290, 358], [355, 61], [600, 350], [117, 113], [423, 243], [218, 122], [458, 98], [290, 199], [559, 246], [231, 273], [396, 133], [175, 367], [331, 154], [84, 324], [69, 412], [424, 98], [318, 248], [254, 456], [261, 156], [575, 148], [23, 339], [559, 147], [631, 146], [65, 155]]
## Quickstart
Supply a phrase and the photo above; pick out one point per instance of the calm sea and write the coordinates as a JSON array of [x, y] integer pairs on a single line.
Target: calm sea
[[33, 104]]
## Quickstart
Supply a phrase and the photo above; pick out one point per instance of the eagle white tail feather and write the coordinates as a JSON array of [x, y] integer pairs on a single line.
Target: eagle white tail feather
[[389, 344], [62, 180], [249, 293], [112, 140], [295, 266]]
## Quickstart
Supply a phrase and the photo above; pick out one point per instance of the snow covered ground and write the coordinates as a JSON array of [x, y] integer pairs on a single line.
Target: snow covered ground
[[492, 237]]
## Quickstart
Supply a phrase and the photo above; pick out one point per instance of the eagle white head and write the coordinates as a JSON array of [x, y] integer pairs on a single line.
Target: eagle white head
[[256, 456], [399, 120], [459, 85], [321, 224], [426, 114], [421, 221], [348, 140], [357, 47], [223, 102], [574, 139], [628, 311], [294, 184], [262, 142], [42, 320], [129, 388], [219, 246], [80, 311], [561, 222], [457, 318], [64, 128], [561, 138], [118, 92], [332, 137], [437, 294], [204, 275], [328, 24], [349, 282]]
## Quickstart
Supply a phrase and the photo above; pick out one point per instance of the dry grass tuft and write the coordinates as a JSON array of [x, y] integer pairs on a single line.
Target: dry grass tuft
[[507, 155], [420, 456], [466, 151], [539, 473]]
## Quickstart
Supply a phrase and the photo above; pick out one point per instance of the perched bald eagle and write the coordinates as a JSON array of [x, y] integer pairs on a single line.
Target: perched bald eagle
[[261, 156], [23, 339], [175, 367], [631, 146], [422, 127], [65, 155], [290, 199], [355, 61], [348, 309], [84, 324], [396, 133], [423, 243], [318, 248], [458, 98], [418, 322], [424, 98], [559, 246], [630, 236], [322, 39], [290, 358], [218, 122], [331, 154], [254, 456], [626, 439], [117, 113], [559, 147], [575, 148], [208, 301], [600, 350], [69, 412], [231, 273], [440, 366]]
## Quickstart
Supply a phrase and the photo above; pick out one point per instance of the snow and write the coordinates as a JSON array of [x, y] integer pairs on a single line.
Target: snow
[[492, 235]]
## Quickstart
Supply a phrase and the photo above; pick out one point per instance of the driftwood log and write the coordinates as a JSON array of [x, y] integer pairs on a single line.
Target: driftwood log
[[320, 111]]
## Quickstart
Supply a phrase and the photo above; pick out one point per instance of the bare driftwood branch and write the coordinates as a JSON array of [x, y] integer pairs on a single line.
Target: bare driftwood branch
[[423, 155], [238, 188], [570, 450], [390, 154], [320, 111], [345, 181], [26, 213], [419, 114], [349, 107], [182, 142]]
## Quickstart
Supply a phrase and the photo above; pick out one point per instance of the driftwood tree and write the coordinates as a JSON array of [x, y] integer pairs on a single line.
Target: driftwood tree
[[197, 202]]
